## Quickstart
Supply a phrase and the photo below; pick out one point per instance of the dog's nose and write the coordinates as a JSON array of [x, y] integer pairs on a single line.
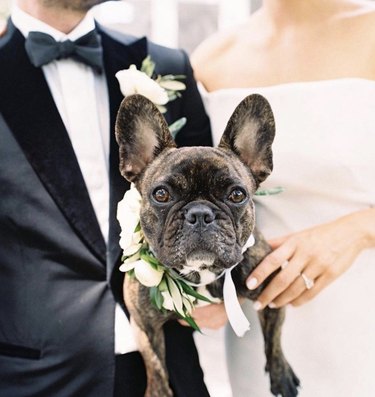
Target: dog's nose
[[199, 214]]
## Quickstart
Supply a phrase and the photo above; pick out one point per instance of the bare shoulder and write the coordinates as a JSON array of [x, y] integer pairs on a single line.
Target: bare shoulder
[[213, 46], [209, 54]]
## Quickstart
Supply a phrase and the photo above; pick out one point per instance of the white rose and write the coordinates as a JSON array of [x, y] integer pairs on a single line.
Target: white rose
[[128, 210], [133, 81], [146, 274]]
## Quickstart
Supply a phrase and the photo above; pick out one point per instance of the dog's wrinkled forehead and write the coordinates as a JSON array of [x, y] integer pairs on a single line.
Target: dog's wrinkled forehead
[[198, 169]]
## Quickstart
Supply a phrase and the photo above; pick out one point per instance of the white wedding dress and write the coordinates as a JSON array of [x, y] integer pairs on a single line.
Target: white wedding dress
[[324, 158]]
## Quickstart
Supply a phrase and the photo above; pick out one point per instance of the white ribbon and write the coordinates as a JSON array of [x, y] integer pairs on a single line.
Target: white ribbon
[[236, 316], [249, 243]]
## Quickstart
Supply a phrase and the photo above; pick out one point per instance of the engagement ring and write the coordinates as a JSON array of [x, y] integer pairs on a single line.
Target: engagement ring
[[309, 283], [284, 264]]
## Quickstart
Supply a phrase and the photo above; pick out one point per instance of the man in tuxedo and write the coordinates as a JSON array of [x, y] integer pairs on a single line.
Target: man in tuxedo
[[62, 334]]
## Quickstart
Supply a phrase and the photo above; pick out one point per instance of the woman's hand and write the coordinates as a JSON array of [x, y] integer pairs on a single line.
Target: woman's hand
[[320, 254], [212, 316]]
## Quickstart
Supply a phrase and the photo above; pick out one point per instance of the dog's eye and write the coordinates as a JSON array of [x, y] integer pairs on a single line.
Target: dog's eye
[[161, 195], [237, 196]]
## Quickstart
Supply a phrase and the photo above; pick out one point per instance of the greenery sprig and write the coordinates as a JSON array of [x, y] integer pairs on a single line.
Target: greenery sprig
[[269, 192]]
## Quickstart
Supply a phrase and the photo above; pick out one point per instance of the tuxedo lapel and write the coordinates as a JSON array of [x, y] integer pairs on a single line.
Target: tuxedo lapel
[[117, 56], [35, 121]]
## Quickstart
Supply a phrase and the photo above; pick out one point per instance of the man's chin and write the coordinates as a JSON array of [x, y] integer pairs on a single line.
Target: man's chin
[[74, 5]]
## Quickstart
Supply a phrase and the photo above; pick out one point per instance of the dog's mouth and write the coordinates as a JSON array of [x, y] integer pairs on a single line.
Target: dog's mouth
[[197, 261]]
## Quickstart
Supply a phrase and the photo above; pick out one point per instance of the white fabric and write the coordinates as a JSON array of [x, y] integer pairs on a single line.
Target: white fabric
[[236, 317], [81, 97], [324, 157]]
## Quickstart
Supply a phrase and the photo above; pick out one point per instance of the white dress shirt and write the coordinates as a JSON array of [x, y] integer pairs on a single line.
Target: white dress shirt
[[81, 97]]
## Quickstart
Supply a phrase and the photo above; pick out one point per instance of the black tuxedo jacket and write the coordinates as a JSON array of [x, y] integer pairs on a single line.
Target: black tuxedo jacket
[[57, 277]]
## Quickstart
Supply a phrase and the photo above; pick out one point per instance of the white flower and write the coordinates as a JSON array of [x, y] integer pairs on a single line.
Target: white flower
[[129, 262], [146, 274], [176, 295], [175, 299], [167, 300], [128, 210], [133, 81]]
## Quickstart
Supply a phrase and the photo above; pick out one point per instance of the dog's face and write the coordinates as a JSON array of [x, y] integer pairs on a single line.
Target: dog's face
[[197, 209]]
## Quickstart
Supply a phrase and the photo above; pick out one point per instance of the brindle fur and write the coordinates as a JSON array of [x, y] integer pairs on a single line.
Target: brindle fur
[[199, 176]]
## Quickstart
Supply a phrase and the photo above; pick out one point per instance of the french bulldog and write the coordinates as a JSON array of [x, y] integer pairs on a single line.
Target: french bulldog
[[197, 214]]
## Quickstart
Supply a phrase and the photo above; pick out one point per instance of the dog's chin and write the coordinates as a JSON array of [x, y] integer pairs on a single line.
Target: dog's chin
[[198, 261]]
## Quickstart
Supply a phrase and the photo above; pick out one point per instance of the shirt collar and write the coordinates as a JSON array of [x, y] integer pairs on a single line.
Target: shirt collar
[[26, 23]]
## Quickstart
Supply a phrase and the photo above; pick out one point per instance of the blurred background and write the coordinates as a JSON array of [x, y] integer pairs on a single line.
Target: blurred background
[[175, 23]]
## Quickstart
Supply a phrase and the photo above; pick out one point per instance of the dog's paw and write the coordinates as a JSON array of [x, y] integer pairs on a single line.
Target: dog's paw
[[284, 381]]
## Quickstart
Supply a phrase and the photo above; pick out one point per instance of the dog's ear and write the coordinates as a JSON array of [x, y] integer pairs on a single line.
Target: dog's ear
[[249, 133], [142, 134]]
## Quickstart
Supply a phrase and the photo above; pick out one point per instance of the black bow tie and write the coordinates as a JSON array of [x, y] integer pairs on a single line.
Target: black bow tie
[[42, 49]]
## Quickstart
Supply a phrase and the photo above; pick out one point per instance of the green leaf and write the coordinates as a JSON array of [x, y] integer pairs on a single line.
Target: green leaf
[[269, 192], [149, 258], [191, 291], [163, 285], [156, 297], [172, 85], [172, 77], [171, 96], [148, 66], [175, 127], [191, 322], [137, 228]]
